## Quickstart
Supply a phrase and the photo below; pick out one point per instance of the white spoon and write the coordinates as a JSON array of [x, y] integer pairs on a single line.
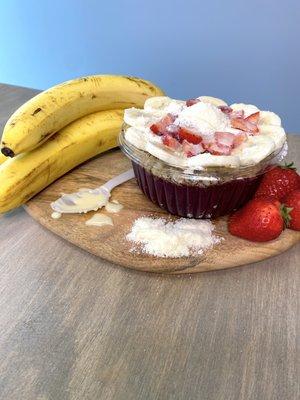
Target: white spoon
[[89, 199]]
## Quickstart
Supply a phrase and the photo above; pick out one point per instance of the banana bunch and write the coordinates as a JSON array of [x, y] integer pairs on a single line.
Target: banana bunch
[[62, 127], [2, 158]]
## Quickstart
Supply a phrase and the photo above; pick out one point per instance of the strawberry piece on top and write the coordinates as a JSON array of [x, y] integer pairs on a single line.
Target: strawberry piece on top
[[253, 118], [218, 149], [190, 149], [244, 125], [225, 139], [191, 102], [225, 109], [159, 128], [239, 138], [171, 142], [189, 136]]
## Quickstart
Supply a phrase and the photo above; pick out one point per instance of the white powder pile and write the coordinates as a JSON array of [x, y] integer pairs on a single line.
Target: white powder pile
[[164, 238]]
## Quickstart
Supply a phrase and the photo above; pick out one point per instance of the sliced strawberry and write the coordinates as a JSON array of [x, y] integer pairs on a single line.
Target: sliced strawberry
[[248, 124], [225, 139], [225, 109], [198, 148], [206, 144], [244, 125], [239, 139], [173, 130], [252, 128], [187, 148], [239, 123], [191, 102], [171, 142], [190, 149], [159, 128], [189, 136], [219, 150], [253, 118]]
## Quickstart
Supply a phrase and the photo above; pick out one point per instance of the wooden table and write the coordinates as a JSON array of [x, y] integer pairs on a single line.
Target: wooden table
[[75, 327]]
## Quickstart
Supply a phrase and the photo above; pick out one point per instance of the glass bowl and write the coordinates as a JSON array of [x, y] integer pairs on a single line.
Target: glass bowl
[[207, 193]]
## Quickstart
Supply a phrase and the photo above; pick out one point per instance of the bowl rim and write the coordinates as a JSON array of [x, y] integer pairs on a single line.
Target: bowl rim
[[144, 158]]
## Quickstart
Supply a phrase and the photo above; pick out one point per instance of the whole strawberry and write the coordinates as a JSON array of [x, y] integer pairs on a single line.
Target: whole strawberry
[[292, 202], [260, 220], [278, 182]]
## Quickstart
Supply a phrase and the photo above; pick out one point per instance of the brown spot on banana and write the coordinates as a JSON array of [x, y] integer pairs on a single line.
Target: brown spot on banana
[[36, 111], [135, 80], [7, 152], [68, 145]]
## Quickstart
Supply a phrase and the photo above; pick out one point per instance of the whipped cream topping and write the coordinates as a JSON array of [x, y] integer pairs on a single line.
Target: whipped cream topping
[[204, 118]]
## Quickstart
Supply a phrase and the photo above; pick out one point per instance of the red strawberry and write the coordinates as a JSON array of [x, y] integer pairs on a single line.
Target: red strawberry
[[222, 145], [239, 138], [225, 109], [191, 102], [278, 182], [159, 128], [225, 139], [239, 123], [169, 141], [218, 149], [173, 130], [253, 118], [191, 150], [260, 220], [186, 134], [244, 125], [292, 203]]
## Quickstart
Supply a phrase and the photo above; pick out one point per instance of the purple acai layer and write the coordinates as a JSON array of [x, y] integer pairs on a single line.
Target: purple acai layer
[[194, 201]]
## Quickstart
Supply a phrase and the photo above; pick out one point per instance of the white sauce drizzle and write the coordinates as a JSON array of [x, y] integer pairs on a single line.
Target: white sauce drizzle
[[99, 220]]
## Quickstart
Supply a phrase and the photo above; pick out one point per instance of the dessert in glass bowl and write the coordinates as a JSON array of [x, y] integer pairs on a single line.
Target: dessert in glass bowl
[[201, 158]]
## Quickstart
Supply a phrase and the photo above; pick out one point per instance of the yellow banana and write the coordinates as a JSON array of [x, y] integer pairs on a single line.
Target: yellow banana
[[48, 112], [2, 158], [25, 175]]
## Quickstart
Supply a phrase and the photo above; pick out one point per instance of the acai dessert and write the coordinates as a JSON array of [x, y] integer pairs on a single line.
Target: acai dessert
[[201, 158]]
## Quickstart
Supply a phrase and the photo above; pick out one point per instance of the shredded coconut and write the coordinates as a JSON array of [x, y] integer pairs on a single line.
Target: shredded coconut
[[164, 238]]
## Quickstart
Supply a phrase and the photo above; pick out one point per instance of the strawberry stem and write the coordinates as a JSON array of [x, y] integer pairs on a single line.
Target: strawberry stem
[[289, 166], [285, 213]]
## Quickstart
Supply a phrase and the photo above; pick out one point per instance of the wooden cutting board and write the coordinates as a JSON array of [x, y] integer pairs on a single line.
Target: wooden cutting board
[[109, 242]]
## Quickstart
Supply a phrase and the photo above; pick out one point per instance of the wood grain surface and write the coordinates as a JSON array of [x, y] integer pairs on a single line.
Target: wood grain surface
[[75, 327], [110, 242]]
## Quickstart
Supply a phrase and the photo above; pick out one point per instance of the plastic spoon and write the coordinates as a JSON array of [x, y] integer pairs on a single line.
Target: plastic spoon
[[89, 199]]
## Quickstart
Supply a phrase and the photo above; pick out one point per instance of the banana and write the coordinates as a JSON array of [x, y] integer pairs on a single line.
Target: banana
[[212, 100], [25, 175], [2, 158], [48, 112], [269, 118]]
